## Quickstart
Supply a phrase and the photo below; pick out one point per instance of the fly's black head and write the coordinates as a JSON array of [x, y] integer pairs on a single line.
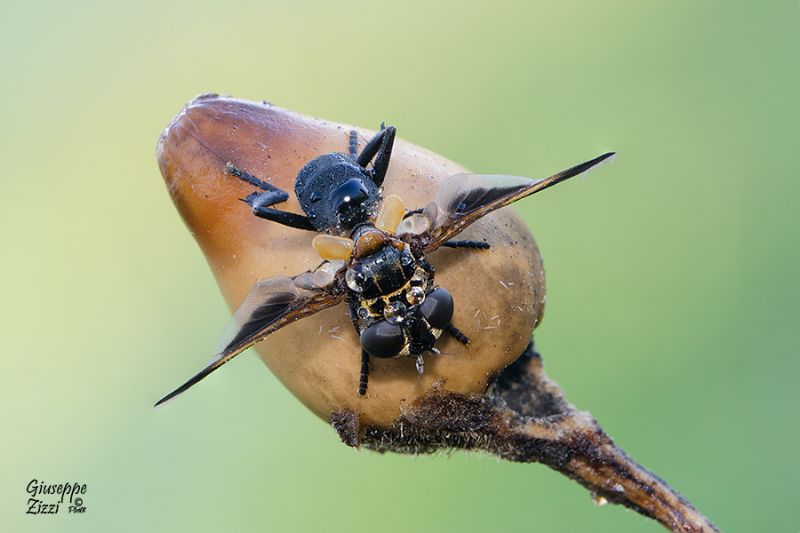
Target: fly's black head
[[409, 328], [383, 339], [336, 193]]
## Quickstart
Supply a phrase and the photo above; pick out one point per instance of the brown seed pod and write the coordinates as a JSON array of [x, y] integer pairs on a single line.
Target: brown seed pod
[[485, 396], [318, 359]]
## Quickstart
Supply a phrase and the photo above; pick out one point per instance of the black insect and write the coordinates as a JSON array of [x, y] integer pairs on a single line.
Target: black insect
[[373, 250]]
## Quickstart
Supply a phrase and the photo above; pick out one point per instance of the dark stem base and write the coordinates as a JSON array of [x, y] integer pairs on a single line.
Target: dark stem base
[[524, 417]]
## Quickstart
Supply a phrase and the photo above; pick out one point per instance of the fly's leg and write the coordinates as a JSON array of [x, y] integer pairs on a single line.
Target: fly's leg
[[426, 266], [456, 334], [477, 245], [364, 378]]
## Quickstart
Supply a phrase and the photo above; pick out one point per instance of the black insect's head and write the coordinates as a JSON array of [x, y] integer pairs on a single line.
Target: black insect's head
[[351, 200], [336, 193]]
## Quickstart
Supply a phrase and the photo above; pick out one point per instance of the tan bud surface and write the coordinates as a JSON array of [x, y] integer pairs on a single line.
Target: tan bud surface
[[498, 293]]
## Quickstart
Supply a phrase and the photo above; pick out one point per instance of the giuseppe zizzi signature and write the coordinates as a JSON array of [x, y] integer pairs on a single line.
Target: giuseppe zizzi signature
[[50, 498]]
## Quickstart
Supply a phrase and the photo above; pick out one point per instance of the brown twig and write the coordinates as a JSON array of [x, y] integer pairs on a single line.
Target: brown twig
[[524, 417]]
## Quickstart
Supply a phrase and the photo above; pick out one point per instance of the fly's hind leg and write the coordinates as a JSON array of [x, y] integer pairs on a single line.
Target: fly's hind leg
[[456, 334]]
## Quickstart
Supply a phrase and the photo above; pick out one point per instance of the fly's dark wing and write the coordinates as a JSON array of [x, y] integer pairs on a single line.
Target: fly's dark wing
[[464, 198], [272, 304]]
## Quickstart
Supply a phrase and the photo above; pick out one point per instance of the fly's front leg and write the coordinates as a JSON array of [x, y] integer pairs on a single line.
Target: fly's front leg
[[456, 334], [363, 380], [420, 365], [426, 266]]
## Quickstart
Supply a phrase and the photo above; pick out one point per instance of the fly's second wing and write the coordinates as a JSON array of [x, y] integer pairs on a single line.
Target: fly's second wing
[[464, 198], [272, 304]]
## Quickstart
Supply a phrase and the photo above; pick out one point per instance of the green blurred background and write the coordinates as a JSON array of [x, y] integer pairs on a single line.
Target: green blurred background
[[672, 273]]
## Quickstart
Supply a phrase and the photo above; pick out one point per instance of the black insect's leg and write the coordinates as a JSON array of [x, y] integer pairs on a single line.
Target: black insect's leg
[[265, 199], [468, 244], [364, 379], [379, 147], [381, 164], [276, 215], [284, 217], [371, 148], [271, 195], [261, 201], [353, 147], [456, 333]]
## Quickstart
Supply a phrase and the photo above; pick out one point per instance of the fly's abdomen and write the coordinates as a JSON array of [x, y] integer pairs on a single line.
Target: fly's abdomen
[[384, 272]]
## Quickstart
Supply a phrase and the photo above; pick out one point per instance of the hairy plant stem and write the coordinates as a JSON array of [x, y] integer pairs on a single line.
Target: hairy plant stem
[[524, 417]]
